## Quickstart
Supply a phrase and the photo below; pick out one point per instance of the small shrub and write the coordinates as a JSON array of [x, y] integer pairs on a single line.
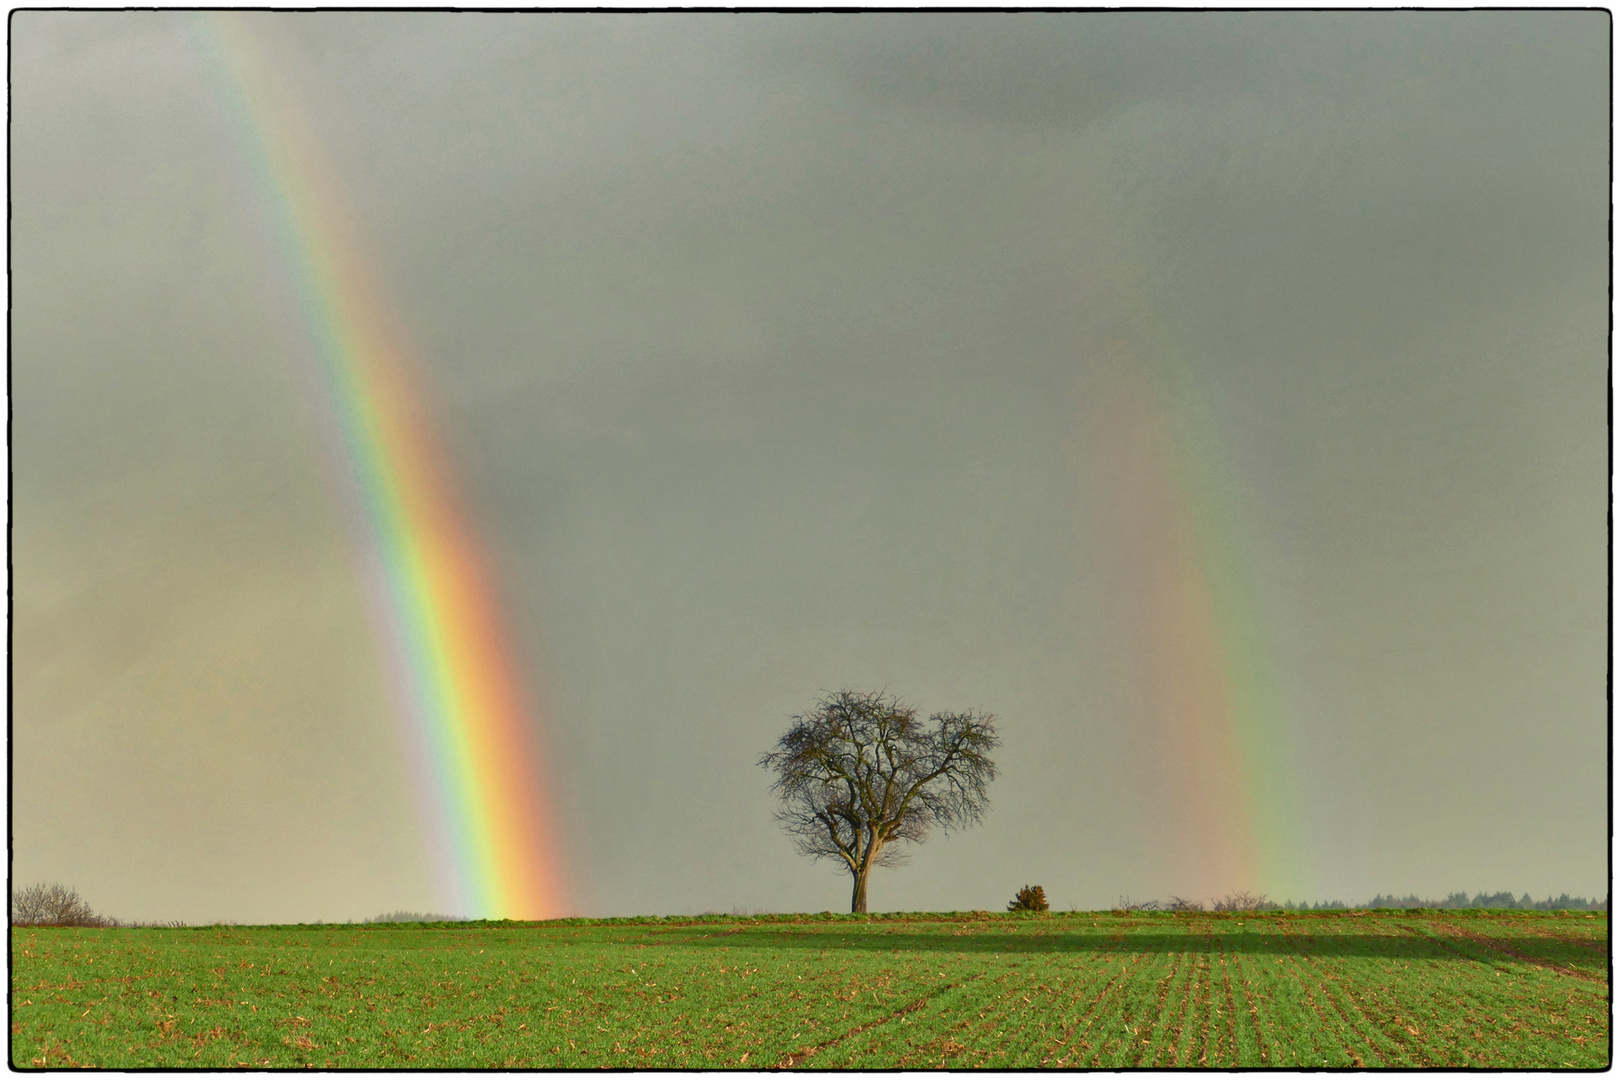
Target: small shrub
[[1242, 901], [52, 905], [1179, 904], [1030, 898]]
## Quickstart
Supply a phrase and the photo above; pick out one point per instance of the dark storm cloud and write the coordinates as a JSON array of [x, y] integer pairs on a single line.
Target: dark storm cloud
[[1029, 68]]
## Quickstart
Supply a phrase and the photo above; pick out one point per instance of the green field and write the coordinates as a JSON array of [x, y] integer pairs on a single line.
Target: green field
[[1496, 990]]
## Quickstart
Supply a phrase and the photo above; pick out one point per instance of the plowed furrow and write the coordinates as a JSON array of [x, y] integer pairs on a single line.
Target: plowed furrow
[[1601, 948], [1226, 1049], [1117, 1031], [1339, 1039], [1168, 1050], [1073, 1041], [1389, 1023], [1343, 1012], [1161, 995], [1342, 1041], [1198, 1052], [1496, 945], [1253, 1009]]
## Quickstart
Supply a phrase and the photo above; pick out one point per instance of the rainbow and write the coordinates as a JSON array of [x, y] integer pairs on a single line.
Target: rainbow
[[462, 702], [1198, 668]]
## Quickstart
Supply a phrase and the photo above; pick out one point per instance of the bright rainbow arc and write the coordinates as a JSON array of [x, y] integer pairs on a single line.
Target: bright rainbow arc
[[461, 688]]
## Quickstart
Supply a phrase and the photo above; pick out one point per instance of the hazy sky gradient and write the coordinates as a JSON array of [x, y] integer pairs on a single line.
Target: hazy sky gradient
[[774, 353]]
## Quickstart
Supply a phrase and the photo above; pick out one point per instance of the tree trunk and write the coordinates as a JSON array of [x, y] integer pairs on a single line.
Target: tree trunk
[[863, 869]]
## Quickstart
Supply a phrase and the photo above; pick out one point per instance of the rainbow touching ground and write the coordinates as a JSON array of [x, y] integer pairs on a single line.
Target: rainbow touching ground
[[458, 686]]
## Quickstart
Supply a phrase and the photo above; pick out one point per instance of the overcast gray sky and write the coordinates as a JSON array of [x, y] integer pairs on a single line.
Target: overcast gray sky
[[1219, 399]]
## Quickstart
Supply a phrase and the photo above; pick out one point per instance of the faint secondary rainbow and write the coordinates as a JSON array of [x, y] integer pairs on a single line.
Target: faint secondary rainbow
[[1198, 664], [458, 684]]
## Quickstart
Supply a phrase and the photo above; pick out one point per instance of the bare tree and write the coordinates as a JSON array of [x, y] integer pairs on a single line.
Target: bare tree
[[860, 772], [51, 905]]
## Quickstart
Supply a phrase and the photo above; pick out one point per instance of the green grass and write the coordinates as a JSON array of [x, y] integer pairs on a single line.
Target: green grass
[[1497, 990]]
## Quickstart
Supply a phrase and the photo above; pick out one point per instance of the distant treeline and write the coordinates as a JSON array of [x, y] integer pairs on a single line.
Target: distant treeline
[[1563, 902], [412, 916], [1248, 902]]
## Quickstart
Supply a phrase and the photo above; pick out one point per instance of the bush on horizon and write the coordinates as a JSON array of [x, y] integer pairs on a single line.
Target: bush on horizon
[[1030, 898], [53, 905]]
